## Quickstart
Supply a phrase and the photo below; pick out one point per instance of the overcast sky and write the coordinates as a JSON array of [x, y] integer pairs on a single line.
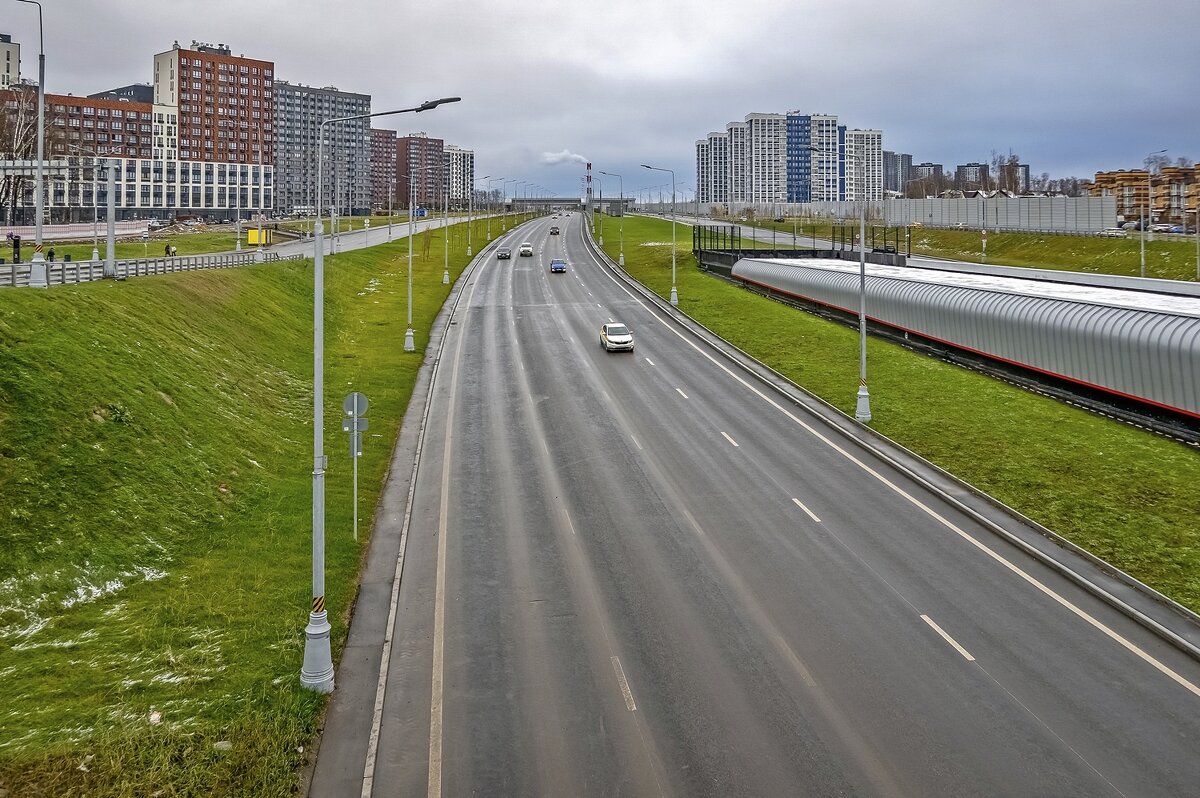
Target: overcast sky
[[1071, 86]]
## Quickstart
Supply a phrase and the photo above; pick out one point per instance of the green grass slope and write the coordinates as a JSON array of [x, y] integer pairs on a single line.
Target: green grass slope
[[155, 527]]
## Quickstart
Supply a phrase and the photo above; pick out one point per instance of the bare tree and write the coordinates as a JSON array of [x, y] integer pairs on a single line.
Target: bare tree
[[18, 139], [1155, 163]]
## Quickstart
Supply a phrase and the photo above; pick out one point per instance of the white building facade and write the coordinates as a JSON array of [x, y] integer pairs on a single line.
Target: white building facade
[[864, 165]]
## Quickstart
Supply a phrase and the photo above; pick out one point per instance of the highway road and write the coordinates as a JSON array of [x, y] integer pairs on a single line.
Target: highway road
[[649, 574]]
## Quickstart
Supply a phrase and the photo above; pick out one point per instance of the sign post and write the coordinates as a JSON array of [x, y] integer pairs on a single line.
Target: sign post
[[984, 246], [355, 405]]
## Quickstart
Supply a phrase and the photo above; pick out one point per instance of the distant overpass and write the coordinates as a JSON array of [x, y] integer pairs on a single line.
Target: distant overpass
[[614, 206]]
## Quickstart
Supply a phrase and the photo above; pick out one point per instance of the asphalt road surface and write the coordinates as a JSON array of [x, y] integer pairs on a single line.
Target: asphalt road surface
[[644, 574]]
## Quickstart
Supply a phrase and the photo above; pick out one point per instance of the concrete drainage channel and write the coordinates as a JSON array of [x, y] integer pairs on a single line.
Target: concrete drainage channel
[[1157, 613]]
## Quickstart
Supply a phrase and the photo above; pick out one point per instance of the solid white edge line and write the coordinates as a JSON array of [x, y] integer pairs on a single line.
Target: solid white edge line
[[811, 514], [625, 691], [731, 440], [681, 393], [1078, 612], [966, 654]]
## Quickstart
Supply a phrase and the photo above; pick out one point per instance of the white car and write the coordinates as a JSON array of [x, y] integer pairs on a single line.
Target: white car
[[616, 337], [526, 250]]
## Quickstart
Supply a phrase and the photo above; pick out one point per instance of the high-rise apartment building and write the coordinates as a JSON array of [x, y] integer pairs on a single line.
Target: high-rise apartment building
[[766, 148], [420, 160], [864, 165], [214, 119], [383, 168], [10, 61], [739, 158], [814, 175], [712, 169], [972, 177], [897, 171], [460, 174], [346, 174]]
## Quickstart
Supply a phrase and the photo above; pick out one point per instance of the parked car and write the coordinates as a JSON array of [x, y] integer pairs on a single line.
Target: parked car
[[1160, 228], [1113, 232], [503, 253], [558, 265], [526, 250], [616, 337]]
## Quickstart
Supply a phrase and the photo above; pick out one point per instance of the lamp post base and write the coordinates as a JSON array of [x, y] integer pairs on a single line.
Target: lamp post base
[[409, 345], [259, 255], [95, 255], [621, 259], [862, 407], [39, 276], [674, 295], [445, 277], [317, 672]]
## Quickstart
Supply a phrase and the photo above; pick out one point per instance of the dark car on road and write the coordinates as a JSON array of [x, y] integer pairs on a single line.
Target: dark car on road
[[558, 265], [503, 253]]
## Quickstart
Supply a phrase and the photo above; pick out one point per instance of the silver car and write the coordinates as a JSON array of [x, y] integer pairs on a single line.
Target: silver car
[[616, 337]]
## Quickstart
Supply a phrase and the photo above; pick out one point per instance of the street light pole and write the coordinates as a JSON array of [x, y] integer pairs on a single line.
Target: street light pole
[[317, 671], [504, 200], [862, 407], [38, 277], [674, 293], [600, 185], [489, 198], [471, 213], [446, 232], [1146, 207], [1146, 218], [621, 186]]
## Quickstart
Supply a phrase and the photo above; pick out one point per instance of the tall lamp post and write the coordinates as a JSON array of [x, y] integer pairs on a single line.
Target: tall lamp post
[[674, 293], [1148, 206], [38, 277], [621, 187], [471, 213], [489, 199], [862, 406], [317, 671], [504, 200], [600, 185]]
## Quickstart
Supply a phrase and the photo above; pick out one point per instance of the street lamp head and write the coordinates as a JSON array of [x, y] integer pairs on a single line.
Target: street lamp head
[[431, 104]]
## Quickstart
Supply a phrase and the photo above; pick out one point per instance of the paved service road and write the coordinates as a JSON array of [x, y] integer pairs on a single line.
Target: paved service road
[[645, 574]]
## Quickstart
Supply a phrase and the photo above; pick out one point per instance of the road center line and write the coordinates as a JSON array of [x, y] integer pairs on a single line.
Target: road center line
[[635, 441], [625, 691], [681, 393], [948, 638], [811, 514], [651, 362], [567, 516], [731, 440]]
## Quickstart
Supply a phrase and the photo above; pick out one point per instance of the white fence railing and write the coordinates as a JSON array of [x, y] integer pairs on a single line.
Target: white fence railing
[[69, 272]]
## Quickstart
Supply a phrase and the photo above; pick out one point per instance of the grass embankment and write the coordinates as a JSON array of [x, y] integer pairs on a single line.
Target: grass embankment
[[1167, 257], [155, 531], [1126, 495]]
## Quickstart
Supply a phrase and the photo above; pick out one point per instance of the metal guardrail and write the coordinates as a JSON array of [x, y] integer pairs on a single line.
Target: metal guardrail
[[70, 272]]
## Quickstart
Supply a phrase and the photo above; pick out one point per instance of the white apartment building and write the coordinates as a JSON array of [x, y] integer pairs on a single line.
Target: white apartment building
[[704, 178], [864, 165], [828, 162], [739, 162], [712, 169], [460, 174], [10, 61], [766, 147]]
